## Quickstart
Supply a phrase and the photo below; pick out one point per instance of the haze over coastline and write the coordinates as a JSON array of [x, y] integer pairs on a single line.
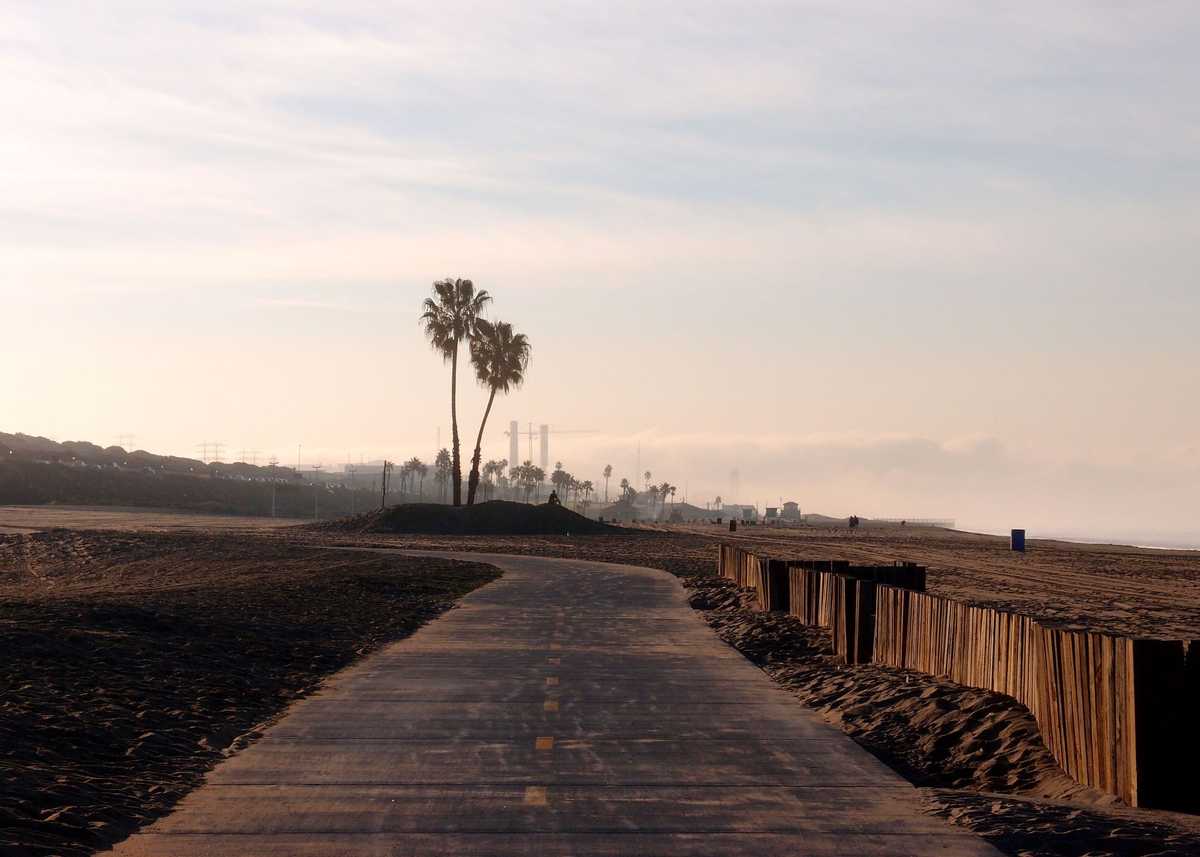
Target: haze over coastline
[[944, 267]]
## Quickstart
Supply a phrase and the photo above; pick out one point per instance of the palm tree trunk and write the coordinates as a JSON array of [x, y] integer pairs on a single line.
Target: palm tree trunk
[[455, 462], [473, 480]]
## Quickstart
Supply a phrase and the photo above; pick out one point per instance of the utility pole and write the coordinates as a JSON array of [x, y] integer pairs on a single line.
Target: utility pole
[[316, 488], [387, 469]]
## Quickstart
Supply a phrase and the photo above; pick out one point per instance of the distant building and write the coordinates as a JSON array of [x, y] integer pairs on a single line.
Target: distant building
[[772, 512], [736, 511], [791, 511]]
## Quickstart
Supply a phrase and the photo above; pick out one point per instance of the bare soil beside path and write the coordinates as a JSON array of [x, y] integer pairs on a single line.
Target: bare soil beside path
[[134, 661], [30, 519]]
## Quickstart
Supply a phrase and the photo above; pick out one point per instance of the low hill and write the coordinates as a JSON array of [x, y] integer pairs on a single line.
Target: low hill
[[33, 483], [497, 517]]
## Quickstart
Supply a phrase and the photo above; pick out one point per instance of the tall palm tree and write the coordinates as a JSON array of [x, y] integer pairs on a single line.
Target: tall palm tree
[[449, 318], [607, 474], [500, 357]]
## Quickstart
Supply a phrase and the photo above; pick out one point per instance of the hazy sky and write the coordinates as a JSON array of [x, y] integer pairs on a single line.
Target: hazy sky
[[923, 258]]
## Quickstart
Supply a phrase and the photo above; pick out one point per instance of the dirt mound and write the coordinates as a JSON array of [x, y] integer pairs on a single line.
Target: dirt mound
[[497, 517]]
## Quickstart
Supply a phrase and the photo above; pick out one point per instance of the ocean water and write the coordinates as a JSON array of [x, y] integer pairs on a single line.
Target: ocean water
[[1140, 539]]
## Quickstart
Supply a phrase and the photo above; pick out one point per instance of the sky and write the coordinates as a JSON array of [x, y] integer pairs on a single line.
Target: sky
[[931, 259]]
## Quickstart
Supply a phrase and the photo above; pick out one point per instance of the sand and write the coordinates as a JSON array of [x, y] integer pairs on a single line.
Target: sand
[[134, 660], [1111, 588], [30, 519], [96, 602]]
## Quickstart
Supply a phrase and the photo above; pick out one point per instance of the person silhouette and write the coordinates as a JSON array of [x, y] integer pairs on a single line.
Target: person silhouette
[[552, 500]]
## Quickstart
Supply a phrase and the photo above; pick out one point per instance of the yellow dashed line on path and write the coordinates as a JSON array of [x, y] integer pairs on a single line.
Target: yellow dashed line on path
[[544, 742], [535, 795], [551, 705], [552, 681]]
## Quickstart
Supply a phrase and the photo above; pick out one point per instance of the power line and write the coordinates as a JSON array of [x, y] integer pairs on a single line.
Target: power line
[[210, 451]]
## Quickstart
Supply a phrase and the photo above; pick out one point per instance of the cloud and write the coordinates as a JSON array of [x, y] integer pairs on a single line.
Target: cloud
[[901, 212]]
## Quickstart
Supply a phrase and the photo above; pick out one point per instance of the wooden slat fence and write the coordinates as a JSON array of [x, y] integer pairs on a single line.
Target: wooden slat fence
[[1119, 714]]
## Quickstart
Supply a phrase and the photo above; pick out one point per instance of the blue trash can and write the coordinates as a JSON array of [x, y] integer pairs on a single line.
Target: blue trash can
[[1017, 540]]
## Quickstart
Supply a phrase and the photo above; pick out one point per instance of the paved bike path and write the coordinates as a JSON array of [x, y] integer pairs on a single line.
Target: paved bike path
[[569, 708]]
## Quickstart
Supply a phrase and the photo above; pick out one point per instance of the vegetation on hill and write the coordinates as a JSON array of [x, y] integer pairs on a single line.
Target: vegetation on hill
[[497, 517]]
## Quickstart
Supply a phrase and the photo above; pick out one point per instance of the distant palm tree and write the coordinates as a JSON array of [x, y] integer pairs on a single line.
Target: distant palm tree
[[415, 468], [500, 357], [441, 470], [560, 479], [672, 496], [524, 477], [450, 317], [490, 469], [587, 488], [607, 474], [625, 487], [501, 469], [422, 469], [647, 475]]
